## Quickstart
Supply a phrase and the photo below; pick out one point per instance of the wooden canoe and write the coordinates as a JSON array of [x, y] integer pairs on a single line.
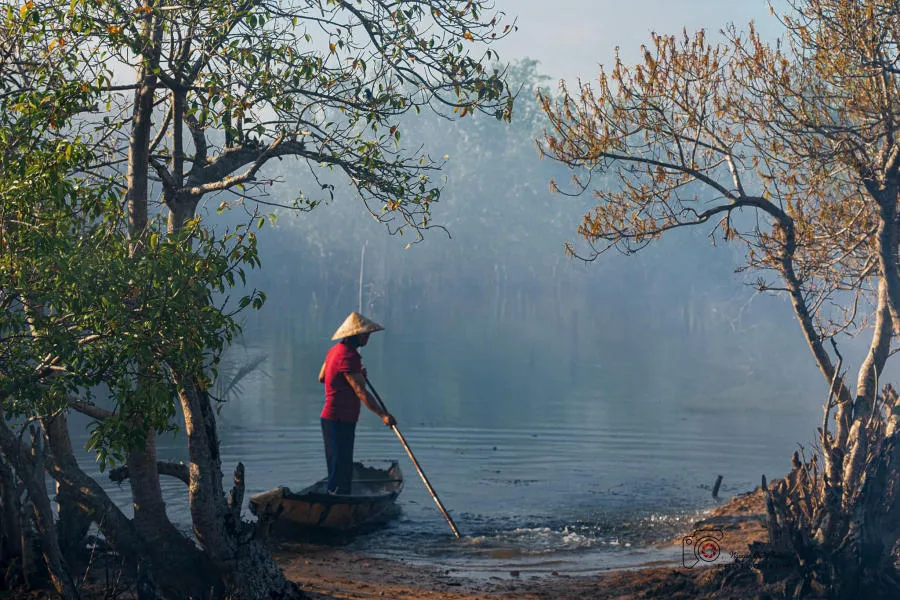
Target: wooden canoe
[[371, 501]]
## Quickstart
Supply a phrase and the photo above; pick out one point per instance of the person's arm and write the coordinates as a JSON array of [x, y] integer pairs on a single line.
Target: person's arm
[[322, 374], [358, 382]]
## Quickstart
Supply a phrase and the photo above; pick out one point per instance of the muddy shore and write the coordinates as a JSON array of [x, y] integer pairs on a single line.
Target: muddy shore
[[333, 574], [329, 573]]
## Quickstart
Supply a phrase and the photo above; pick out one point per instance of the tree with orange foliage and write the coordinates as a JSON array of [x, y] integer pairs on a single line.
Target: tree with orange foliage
[[790, 149]]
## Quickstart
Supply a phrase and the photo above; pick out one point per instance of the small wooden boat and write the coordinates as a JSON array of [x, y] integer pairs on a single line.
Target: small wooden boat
[[373, 492]]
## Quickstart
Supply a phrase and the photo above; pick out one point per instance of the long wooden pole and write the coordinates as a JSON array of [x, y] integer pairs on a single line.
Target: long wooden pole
[[415, 463]]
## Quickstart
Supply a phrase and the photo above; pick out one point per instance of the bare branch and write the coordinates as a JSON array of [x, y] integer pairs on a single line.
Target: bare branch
[[172, 469], [90, 410]]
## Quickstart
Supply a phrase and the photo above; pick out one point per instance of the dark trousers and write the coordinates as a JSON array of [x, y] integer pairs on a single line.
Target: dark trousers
[[339, 438]]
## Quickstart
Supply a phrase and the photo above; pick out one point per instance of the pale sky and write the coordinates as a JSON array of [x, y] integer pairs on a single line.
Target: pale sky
[[571, 38]]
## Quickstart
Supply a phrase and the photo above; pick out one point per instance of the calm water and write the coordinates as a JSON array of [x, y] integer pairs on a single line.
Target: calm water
[[544, 467]]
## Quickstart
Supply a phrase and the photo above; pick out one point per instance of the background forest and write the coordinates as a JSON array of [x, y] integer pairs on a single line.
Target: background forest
[[494, 300]]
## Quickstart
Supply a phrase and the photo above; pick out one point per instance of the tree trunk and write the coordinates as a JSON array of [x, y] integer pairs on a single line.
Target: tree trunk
[[174, 560], [49, 542], [842, 535], [176, 564], [250, 571], [10, 531], [245, 564], [174, 568], [184, 207], [871, 367], [795, 289], [150, 517], [73, 524], [74, 517], [887, 243], [117, 529], [137, 179], [30, 469]]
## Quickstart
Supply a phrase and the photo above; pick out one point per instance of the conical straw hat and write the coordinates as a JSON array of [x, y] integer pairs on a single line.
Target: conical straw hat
[[356, 324]]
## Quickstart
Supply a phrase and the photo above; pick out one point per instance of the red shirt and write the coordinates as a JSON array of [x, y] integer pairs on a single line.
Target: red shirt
[[341, 402]]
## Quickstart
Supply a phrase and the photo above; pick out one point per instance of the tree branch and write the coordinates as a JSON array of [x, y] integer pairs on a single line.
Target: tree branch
[[216, 175], [173, 469], [91, 410]]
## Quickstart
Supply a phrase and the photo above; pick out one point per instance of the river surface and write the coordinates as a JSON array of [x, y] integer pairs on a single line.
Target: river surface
[[543, 469]]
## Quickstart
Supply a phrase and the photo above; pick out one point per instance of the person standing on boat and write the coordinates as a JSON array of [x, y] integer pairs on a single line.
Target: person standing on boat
[[345, 389]]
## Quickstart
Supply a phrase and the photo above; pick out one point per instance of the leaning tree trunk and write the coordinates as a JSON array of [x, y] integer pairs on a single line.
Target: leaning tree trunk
[[74, 517], [117, 529], [232, 545], [174, 569], [29, 463]]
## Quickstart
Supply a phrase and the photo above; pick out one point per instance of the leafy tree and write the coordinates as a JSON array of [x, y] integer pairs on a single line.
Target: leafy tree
[[73, 318], [791, 150], [179, 101]]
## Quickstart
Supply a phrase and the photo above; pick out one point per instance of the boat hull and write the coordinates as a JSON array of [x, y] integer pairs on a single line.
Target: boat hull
[[372, 501]]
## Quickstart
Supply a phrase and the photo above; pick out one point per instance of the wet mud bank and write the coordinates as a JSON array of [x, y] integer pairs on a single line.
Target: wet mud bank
[[718, 540]]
